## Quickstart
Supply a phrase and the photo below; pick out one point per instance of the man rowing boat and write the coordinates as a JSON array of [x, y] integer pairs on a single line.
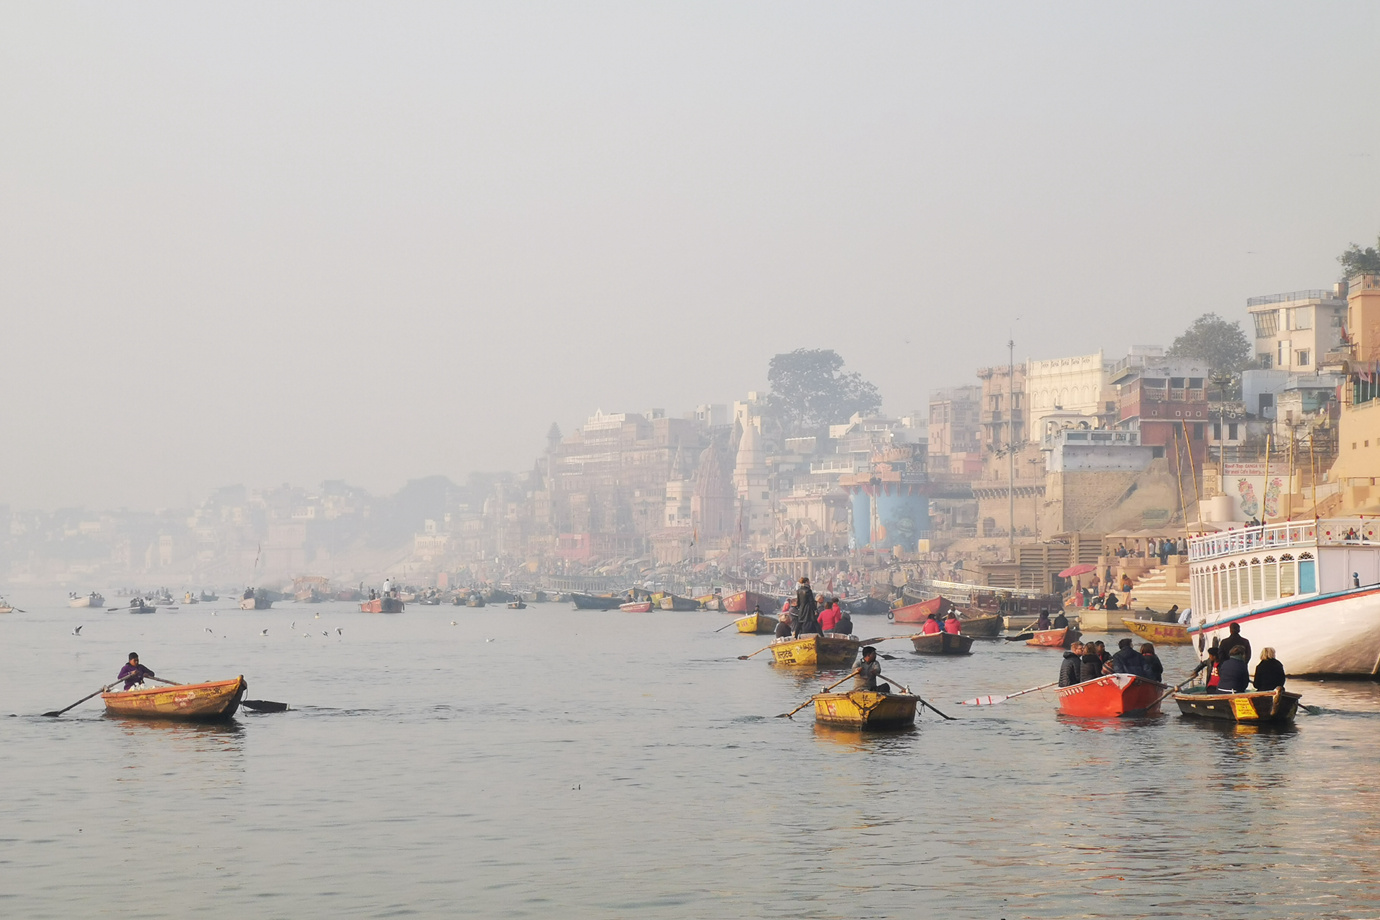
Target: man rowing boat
[[869, 669], [133, 672]]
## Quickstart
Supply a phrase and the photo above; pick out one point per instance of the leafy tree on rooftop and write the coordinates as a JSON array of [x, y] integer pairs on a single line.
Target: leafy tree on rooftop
[[1358, 261], [809, 390], [1221, 345]]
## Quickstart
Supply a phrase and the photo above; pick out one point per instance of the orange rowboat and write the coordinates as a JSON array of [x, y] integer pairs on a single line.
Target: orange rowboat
[[1054, 638], [382, 605], [210, 702], [636, 607], [1112, 695]]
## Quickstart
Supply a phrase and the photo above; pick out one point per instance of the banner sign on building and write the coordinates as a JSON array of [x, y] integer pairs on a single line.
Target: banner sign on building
[[1254, 494]]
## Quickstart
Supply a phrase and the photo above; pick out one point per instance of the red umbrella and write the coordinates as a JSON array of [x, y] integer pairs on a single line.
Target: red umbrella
[[1074, 571]]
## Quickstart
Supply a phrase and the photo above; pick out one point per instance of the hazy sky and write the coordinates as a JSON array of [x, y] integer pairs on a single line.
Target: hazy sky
[[287, 242]]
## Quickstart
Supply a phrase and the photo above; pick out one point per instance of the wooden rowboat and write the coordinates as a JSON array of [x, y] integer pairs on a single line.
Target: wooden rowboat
[[865, 710], [942, 643], [382, 605], [763, 624], [980, 624], [814, 651], [1157, 632], [919, 613], [675, 602], [1054, 638], [744, 601], [209, 702], [1111, 695], [597, 601], [636, 607], [1268, 706]]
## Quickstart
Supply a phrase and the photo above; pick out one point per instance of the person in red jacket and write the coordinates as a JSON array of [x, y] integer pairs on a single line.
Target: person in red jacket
[[951, 624], [931, 626], [829, 618]]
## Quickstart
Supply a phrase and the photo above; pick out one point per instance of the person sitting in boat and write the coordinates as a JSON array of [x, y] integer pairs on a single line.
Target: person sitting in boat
[[869, 669], [133, 672], [1154, 668], [1127, 660], [845, 623], [1233, 641], [785, 627], [1090, 665], [1233, 674], [248, 594], [951, 624], [1210, 665], [1174, 614], [1269, 673], [1111, 603], [829, 618], [1103, 657], [1060, 621], [1042, 623], [931, 626], [1071, 668]]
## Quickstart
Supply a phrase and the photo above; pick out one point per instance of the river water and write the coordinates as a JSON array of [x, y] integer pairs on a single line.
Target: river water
[[546, 762]]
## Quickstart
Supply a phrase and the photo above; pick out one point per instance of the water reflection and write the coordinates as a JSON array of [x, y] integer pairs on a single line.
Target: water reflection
[[867, 742]]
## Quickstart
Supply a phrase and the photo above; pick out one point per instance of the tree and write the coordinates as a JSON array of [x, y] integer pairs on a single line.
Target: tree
[[1358, 261], [809, 390], [1221, 345]]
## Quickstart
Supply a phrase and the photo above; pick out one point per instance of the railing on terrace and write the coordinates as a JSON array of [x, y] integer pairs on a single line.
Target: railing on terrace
[[1306, 534], [1314, 294]]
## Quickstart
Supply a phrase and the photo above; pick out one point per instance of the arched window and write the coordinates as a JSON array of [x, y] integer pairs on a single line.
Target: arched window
[[1271, 579], [1257, 591], [1308, 575], [1286, 576]]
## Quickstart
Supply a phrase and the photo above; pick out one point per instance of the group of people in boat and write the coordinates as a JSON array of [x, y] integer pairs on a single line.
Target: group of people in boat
[[932, 625], [806, 614], [1227, 669], [1090, 660]]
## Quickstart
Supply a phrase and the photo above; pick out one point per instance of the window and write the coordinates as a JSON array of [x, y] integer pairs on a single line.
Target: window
[[1216, 431], [1271, 579], [1301, 357], [1156, 452], [1266, 324], [1308, 583], [1281, 354], [1197, 431], [1303, 317], [1286, 576], [1256, 592], [1195, 383], [1231, 431], [1265, 360]]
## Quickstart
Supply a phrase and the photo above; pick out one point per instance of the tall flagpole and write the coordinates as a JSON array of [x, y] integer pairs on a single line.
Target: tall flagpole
[[1011, 451]]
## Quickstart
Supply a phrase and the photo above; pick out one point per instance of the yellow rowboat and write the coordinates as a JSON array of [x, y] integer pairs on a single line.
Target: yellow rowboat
[[865, 710], [209, 702], [815, 651], [1155, 631], [757, 623]]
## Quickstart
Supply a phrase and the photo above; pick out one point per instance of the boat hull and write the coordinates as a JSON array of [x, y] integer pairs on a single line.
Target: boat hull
[[866, 711], [209, 702], [87, 601], [597, 601], [824, 652], [636, 607], [1111, 695], [1159, 633], [760, 624], [674, 602], [1273, 706], [1054, 638], [1331, 634], [382, 605], [745, 601], [255, 603], [918, 613], [986, 624], [942, 643]]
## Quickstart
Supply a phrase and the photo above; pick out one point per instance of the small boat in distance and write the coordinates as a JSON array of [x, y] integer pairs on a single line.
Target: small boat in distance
[[216, 701], [597, 601], [986, 625], [942, 643], [139, 605], [5, 606], [382, 605], [865, 710], [1161, 633], [919, 613], [255, 600], [675, 602], [518, 604], [94, 599], [636, 607], [1112, 695], [762, 624], [744, 601], [1054, 638], [815, 651], [1261, 707]]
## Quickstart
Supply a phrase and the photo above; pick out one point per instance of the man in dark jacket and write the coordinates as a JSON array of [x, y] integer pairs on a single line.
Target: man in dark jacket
[[1070, 671], [806, 611], [1232, 675], [1233, 641], [1090, 666], [1127, 660]]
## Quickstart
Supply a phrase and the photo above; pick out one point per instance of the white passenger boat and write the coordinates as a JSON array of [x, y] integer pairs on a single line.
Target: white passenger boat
[[1309, 590]]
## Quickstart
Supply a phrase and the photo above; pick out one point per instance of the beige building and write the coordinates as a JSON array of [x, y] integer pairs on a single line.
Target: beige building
[[1357, 470], [1062, 386], [1293, 331]]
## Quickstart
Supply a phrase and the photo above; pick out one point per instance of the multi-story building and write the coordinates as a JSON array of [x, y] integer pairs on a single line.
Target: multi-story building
[[1293, 331], [1075, 386], [954, 431], [1166, 401], [1012, 480]]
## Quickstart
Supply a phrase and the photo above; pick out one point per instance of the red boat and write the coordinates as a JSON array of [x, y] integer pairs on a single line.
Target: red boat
[[744, 601], [382, 605], [918, 613], [1054, 638], [1112, 695], [636, 607]]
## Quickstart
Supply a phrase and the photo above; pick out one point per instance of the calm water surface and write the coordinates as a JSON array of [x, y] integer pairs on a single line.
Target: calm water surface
[[546, 762]]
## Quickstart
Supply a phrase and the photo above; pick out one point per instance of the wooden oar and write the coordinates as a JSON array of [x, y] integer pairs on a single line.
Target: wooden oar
[[787, 715], [729, 623], [918, 697], [58, 712], [758, 652], [994, 700], [1161, 697]]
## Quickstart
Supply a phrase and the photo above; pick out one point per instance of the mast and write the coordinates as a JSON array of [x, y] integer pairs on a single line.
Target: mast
[[1011, 452]]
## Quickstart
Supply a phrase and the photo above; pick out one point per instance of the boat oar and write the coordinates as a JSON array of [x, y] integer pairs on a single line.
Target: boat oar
[[994, 700], [1174, 689], [758, 652], [787, 715], [58, 712], [918, 697], [726, 625]]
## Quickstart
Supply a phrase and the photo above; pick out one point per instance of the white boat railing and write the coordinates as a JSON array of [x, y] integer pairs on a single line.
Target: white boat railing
[[1326, 532]]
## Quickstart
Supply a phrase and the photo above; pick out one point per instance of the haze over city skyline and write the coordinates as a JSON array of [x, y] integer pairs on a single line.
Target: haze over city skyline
[[276, 243]]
